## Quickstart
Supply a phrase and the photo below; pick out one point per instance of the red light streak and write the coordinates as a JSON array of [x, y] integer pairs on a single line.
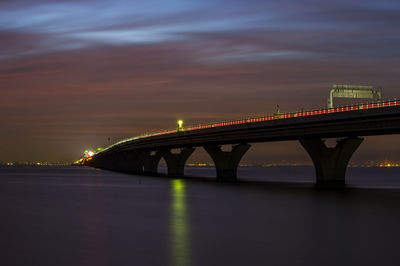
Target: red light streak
[[284, 116]]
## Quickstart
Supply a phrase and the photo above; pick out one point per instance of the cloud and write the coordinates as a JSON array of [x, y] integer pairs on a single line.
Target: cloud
[[79, 68]]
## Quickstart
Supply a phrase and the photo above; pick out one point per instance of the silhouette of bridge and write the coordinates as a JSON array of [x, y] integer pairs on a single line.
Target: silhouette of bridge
[[141, 155]]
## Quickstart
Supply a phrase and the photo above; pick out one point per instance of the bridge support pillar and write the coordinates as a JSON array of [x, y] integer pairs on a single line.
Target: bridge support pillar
[[129, 162], [226, 162], [113, 162], [150, 161], [331, 163], [104, 162], [176, 161]]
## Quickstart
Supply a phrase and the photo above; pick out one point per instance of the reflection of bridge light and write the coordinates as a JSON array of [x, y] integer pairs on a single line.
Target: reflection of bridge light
[[180, 249]]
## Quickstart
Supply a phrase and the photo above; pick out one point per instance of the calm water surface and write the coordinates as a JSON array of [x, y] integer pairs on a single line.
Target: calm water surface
[[274, 216]]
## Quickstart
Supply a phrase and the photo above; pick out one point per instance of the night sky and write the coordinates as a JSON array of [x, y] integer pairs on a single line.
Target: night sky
[[75, 73]]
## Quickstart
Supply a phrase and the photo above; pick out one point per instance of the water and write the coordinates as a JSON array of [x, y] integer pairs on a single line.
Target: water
[[274, 216]]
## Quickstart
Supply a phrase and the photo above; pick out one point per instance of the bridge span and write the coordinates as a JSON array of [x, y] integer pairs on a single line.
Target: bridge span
[[141, 155]]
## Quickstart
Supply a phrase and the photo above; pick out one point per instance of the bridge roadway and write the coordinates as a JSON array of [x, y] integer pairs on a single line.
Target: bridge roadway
[[141, 155]]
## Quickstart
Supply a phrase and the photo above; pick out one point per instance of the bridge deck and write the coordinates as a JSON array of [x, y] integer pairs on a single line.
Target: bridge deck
[[358, 120]]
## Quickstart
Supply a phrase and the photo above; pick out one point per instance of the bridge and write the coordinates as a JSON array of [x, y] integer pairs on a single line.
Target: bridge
[[349, 124]]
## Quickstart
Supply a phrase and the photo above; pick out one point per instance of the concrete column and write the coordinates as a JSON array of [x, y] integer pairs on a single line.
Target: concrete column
[[101, 161], [176, 161], [226, 162], [331, 163], [110, 162], [128, 162], [90, 163], [107, 163], [149, 161]]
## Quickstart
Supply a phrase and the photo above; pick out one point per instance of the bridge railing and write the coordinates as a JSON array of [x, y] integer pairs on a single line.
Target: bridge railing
[[347, 108], [322, 111]]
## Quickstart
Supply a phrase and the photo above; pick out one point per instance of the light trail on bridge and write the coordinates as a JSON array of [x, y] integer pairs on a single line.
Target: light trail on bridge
[[348, 124], [289, 115]]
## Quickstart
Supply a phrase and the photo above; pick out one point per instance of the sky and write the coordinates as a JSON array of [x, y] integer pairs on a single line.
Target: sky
[[75, 73]]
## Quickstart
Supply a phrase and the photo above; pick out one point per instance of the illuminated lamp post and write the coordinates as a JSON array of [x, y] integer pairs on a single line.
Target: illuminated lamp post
[[180, 126]]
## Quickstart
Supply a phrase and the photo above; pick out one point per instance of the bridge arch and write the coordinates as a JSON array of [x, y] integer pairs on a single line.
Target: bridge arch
[[330, 163], [176, 160], [227, 162], [162, 168]]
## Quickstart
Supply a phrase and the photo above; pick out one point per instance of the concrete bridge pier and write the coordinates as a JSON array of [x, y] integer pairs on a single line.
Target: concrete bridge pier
[[129, 162], [112, 162], [226, 162], [331, 163], [176, 161], [91, 163], [104, 162], [149, 160]]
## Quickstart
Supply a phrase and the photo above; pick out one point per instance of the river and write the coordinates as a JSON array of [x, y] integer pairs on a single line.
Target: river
[[273, 216]]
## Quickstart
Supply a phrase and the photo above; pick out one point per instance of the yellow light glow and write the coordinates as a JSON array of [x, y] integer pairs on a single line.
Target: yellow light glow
[[180, 231], [180, 123]]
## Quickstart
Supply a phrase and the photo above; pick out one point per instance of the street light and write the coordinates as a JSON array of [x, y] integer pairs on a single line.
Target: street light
[[180, 125]]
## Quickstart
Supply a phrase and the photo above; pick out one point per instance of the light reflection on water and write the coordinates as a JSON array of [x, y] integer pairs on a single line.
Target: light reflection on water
[[180, 246], [82, 216]]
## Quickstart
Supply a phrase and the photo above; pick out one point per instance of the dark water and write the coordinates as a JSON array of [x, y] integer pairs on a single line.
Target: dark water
[[83, 216]]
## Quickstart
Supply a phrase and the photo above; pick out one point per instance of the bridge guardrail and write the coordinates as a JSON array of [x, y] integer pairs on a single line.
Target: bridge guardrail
[[365, 106]]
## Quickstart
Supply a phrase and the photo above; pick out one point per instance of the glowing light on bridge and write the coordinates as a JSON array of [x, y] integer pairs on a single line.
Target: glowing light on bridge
[[88, 154], [180, 126], [322, 111]]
